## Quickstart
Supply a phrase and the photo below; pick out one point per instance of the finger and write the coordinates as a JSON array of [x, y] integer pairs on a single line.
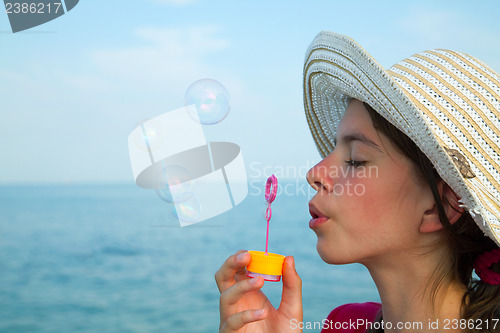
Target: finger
[[240, 319], [234, 264], [291, 299], [233, 294], [242, 274]]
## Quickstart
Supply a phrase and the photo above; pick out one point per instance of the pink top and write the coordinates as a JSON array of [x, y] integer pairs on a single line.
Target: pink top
[[351, 318]]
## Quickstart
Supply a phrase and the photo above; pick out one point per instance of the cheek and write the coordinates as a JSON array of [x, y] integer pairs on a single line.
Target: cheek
[[359, 192], [375, 199], [390, 201], [370, 200]]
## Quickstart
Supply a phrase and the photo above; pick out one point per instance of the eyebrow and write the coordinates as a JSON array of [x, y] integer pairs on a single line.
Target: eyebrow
[[348, 138]]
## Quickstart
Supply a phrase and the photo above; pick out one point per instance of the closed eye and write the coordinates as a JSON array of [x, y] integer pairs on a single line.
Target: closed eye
[[355, 164]]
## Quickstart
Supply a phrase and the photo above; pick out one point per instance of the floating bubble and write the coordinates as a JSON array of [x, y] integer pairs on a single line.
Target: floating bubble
[[188, 210], [150, 138], [211, 99], [175, 184]]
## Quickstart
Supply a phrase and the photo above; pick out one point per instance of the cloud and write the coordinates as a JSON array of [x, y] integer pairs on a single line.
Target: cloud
[[85, 109], [160, 59], [166, 57]]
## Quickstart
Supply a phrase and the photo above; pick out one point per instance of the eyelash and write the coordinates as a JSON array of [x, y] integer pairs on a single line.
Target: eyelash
[[355, 164]]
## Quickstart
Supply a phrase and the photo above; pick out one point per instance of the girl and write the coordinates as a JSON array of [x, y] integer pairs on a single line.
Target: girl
[[420, 142]]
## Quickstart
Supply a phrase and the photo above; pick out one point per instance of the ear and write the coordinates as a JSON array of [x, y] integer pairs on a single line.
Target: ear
[[430, 220]]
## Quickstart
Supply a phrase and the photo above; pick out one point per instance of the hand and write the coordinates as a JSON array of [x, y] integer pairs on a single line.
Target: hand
[[245, 308]]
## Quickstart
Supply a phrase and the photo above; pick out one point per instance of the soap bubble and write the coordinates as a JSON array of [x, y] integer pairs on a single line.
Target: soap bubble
[[150, 138], [180, 178], [211, 100], [188, 210]]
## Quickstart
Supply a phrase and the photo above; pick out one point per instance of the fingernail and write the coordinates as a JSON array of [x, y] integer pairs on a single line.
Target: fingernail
[[254, 280], [241, 256], [289, 263], [258, 313]]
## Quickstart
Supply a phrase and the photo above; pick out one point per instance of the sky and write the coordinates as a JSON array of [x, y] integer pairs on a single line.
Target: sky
[[74, 88]]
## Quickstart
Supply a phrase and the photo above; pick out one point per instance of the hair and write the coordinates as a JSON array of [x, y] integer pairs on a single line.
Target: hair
[[464, 239]]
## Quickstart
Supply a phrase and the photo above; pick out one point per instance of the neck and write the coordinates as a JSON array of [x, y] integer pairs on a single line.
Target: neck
[[405, 288]]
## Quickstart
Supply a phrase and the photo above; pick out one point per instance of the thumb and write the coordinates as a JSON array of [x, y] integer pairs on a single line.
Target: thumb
[[291, 299]]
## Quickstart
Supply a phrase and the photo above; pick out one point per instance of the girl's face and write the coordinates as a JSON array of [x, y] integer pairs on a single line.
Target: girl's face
[[368, 194]]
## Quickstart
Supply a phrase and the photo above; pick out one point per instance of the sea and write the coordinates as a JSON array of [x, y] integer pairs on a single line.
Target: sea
[[114, 258]]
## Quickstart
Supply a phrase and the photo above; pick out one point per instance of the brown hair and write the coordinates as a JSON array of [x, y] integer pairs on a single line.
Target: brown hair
[[481, 302]]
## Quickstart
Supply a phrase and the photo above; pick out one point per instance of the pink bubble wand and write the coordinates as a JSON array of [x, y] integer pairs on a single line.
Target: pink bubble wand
[[271, 190], [266, 264]]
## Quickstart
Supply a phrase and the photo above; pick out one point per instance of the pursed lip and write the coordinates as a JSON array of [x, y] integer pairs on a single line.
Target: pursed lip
[[318, 218], [315, 213]]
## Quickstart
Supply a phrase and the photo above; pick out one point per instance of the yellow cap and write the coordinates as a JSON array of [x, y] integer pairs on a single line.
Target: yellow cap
[[270, 264]]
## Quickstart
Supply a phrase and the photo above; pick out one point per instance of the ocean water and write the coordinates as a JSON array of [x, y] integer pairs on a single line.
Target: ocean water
[[113, 258]]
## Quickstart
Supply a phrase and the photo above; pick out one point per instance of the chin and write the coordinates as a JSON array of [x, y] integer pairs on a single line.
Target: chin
[[330, 255], [327, 253]]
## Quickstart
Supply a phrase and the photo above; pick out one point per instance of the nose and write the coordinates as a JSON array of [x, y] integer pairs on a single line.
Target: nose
[[319, 176]]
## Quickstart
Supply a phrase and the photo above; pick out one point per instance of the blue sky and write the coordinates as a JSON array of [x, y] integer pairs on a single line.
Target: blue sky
[[73, 88]]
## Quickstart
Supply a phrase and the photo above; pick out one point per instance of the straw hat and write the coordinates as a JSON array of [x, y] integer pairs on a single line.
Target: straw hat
[[447, 102]]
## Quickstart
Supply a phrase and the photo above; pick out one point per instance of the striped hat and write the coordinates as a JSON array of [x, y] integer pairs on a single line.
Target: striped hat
[[447, 102]]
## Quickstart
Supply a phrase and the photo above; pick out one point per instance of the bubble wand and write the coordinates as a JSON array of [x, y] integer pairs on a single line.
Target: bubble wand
[[271, 190], [266, 264]]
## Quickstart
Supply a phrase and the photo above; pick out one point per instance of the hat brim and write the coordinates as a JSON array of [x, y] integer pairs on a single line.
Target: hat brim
[[337, 69]]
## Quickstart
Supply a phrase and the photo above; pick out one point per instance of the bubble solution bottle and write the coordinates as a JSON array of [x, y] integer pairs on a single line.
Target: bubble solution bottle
[[266, 264]]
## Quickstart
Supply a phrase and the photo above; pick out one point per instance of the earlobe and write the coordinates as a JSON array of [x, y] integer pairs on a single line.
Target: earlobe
[[430, 220]]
